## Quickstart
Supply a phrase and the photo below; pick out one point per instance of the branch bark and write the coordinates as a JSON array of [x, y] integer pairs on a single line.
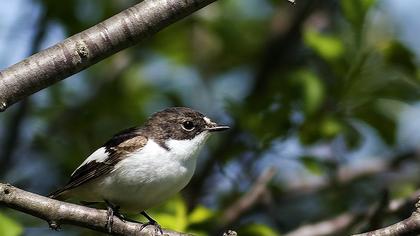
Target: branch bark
[[409, 226], [57, 212], [90, 46]]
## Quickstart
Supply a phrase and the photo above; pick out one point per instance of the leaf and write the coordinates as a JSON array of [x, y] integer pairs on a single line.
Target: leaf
[[328, 47], [173, 214], [397, 54], [313, 90], [330, 127], [257, 229], [313, 165], [403, 190], [200, 214], [355, 10], [9, 227]]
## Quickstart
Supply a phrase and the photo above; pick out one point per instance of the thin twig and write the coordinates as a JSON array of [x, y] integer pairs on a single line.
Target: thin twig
[[57, 213]]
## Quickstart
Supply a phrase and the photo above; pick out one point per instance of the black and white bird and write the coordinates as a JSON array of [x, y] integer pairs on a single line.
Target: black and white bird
[[141, 167]]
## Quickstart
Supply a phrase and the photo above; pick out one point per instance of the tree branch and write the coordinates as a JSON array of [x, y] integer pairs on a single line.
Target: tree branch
[[90, 46], [409, 226], [57, 212]]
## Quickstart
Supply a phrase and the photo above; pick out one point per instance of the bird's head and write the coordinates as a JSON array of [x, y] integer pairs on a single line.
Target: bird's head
[[181, 128]]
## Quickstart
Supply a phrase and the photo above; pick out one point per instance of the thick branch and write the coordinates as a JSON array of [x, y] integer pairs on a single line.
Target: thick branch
[[90, 46], [58, 212]]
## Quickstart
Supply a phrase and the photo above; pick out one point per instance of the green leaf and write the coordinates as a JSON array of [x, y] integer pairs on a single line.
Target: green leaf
[[173, 214], [328, 47], [313, 90], [257, 229], [330, 127], [200, 214], [313, 165], [397, 54], [355, 10], [403, 190], [9, 227]]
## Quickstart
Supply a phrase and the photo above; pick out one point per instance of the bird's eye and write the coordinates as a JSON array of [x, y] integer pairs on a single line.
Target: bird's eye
[[188, 125]]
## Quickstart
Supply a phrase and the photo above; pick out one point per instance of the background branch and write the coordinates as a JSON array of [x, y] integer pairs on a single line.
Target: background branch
[[90, 46], [340, 223], [250, 198], [58, 212], [409, 226]]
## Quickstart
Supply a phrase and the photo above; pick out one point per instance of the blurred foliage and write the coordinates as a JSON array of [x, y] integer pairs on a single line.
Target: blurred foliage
[[9, 227], [322, 90]]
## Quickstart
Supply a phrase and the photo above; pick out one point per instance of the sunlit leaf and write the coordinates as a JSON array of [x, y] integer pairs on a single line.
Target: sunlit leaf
[[9, 227], [327, 46], [330, 127], [173, 214], [257, 229], [200, 214]]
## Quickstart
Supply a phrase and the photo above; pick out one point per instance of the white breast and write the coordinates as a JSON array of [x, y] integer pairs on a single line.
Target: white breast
[[150, 175]]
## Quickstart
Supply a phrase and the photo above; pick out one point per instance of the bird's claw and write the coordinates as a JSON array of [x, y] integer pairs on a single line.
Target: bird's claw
[[112, 210], [151, 222], [54, 225], [158, 228], [109, 219]]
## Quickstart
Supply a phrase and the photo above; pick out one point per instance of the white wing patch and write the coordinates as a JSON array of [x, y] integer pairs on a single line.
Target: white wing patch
[[99, 155]]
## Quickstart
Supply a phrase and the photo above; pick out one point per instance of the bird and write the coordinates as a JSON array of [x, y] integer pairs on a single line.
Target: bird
[[141, 167]]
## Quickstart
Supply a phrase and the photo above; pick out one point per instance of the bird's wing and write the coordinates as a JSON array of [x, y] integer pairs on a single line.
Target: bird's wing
[[103, 160]]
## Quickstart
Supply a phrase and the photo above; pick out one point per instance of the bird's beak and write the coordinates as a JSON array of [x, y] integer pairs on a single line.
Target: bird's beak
[[213, 127]]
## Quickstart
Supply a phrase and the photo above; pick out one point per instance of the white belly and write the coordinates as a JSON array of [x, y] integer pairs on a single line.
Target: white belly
[[150, 183], [142, 181]]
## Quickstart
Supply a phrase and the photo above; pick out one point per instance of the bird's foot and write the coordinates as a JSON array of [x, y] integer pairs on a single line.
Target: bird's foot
[[112, 210], [54, 225], [109, 219], [158, 228]]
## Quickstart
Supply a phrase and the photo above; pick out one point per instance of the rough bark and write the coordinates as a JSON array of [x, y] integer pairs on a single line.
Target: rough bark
[[57, 213], [90, 46], [409, 226]]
